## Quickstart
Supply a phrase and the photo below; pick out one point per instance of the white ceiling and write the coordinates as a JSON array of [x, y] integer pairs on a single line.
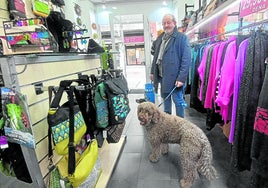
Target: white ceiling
[[98, 2]]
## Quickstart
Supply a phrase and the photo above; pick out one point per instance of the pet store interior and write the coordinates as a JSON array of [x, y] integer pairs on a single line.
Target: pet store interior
[[73, 73]]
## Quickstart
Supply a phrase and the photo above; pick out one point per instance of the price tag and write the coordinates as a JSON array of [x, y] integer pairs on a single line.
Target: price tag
[[104, 134]]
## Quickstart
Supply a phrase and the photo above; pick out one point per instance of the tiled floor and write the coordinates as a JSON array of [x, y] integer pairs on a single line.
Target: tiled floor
[[134, 170]]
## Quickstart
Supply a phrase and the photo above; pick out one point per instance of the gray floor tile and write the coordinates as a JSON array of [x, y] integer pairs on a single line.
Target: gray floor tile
[[134, 144], [135, 128], [123, 183], [157, 183], [127, 167], [146, 146], [134, 170], [154, 171], [174, 162]]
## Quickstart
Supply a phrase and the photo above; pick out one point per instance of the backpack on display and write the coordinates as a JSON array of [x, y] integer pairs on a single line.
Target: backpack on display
[[40, 8], [101, 104], [61, 29], [16, 9], [94, 47], [116, 89], [58, 3]]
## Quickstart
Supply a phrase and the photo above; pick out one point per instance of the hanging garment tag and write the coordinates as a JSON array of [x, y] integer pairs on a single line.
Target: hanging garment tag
[[104, 134]]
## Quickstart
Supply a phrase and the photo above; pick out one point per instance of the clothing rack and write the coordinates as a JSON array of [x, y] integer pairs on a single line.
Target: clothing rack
[[239, 29]]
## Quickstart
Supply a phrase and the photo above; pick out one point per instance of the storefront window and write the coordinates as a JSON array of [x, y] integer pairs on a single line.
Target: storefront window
[[135, 55]]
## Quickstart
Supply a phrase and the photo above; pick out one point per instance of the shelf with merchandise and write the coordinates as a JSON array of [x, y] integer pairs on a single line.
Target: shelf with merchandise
[[31, 32], [24, 36], [229, 18], [215, 22]]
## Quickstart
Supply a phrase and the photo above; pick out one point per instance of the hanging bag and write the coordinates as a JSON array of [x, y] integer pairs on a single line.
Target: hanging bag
[[40, 8], [84, 97], [101, 104], [77, 166], [61, 29], [16, 9], [114, 132], [60, 117], [87, 169], [117, 90]]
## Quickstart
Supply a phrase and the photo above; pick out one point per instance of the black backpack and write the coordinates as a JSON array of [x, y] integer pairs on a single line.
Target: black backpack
[[94, 47], [61, 29]]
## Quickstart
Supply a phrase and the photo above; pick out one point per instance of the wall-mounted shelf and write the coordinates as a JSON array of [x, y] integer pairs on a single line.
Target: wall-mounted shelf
[[26, 32], [27, 36], [218, 18]]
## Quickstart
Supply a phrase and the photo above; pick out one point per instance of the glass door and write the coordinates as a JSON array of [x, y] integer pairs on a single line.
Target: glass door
[[135, 55], [117, 39], [127, 37]]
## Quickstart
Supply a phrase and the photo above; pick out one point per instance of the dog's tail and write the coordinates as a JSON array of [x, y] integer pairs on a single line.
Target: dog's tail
[[205, 167]]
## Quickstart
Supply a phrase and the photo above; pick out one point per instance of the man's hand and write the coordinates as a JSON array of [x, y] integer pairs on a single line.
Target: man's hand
[[178, 83], [151, 77]]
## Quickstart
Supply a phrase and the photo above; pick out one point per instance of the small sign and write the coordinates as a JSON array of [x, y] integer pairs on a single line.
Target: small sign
[[252, 6], [134, 39]]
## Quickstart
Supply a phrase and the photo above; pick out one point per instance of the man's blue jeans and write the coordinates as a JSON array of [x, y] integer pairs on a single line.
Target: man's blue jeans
[[178, 99]]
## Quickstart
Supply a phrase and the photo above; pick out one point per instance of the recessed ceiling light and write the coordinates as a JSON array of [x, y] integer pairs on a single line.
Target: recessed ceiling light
[[164, 3]]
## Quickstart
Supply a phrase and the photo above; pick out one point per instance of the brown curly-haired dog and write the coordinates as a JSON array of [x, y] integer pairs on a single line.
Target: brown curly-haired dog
[[195, 148]]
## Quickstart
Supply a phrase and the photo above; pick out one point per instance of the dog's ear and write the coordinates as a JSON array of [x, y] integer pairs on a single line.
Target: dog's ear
[[156, 116]]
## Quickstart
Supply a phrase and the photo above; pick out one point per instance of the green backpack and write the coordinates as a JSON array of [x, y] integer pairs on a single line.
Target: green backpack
[[101, 105]]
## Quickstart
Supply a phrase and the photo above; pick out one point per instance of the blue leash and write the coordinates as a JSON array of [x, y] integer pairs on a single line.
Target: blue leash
[[167, 96]]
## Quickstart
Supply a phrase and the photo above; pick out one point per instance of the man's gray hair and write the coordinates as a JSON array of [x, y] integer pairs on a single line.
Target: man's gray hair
[[170, 15]]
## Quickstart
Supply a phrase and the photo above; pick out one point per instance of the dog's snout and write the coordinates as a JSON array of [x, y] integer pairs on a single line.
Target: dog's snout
[[141, 117]]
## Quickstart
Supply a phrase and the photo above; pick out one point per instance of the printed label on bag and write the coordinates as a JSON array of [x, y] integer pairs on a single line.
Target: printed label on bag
[[61, 131], [3, 142], [104, 134], [120, 107]]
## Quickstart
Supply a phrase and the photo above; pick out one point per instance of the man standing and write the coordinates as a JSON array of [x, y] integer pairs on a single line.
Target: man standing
[[171, 63]]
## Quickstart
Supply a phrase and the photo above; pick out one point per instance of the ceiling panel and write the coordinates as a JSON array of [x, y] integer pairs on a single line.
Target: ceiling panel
[[98, 2]]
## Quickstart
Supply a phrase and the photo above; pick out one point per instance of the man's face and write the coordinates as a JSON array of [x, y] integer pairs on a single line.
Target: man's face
[[168, 24]]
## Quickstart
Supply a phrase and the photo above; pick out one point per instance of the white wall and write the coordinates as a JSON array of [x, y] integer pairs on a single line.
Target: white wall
[[180, 8], [87, 16], [151, 11]]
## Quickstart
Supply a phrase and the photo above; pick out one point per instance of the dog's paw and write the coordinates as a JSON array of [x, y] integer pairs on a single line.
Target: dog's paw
[[164, 152], [153, 159], [184, 184], [164, 149]]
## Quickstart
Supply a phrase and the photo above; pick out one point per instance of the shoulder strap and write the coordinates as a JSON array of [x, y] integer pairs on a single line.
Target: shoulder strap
[[56, 100], [71, 152], [50, 152], [52, 106]]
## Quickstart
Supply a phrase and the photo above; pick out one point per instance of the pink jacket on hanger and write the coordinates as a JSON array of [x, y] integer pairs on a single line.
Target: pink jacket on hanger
[[226, 83], [201, 69], [212, 73], [218, 65]]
